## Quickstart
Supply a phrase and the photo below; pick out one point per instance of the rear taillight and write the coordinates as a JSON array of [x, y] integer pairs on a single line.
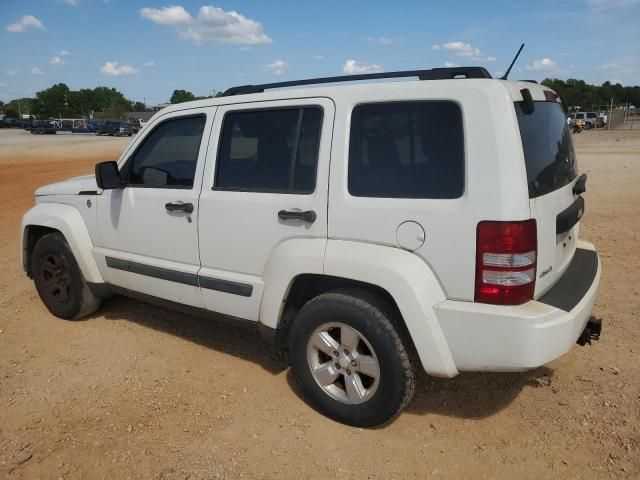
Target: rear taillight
[[506, 262]]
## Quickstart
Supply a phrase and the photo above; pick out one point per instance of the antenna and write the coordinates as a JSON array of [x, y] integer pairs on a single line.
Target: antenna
[[506, 74]]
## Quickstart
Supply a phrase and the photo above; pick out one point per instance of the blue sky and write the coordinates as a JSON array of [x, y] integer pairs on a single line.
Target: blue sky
[[147, 48]]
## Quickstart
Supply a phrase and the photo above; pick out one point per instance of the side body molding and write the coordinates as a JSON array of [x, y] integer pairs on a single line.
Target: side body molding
[[413, 286], [69, 222]]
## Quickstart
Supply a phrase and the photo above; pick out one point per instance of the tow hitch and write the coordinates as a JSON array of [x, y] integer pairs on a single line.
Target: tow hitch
[[591, 332]]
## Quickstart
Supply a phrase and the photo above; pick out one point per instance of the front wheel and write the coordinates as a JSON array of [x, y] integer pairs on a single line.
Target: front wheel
[[349, 359], [58, 279]]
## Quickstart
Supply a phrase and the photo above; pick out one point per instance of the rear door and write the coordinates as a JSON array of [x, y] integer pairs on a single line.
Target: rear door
[[265, 183], [551, 174]]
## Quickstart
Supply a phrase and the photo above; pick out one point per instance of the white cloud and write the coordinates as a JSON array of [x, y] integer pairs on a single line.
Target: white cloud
[[318, 57], [150, 63], [450, 64], [114, 69], [36, 71], [355, 67], [71, 3], [212, 25], [167, 15], [56, 60], [382, 40], [462, 49], [622, 70], [544, 65], [277, 68], [64, 53], [25, 23]]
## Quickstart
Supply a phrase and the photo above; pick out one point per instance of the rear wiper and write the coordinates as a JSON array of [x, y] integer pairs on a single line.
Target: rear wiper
[[581, 185]]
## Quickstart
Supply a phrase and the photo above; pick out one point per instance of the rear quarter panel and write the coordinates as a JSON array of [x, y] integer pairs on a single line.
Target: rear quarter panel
[[495, 180]]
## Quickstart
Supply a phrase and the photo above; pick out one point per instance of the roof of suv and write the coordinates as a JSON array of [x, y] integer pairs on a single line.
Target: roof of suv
[[474, 77]]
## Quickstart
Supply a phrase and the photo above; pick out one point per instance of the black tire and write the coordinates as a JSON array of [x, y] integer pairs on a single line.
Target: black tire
[[58, 279], [373, 318]]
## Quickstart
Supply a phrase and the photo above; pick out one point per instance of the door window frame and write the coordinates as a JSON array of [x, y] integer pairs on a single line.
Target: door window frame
[[128, 163], [296, 106]]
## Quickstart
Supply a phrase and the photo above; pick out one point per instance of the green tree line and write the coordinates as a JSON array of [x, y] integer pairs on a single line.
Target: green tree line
[[575, 92], [60, 101]]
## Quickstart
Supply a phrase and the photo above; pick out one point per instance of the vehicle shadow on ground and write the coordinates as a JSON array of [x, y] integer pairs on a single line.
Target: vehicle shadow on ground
[[239, 342], [469, 395], [474, 395]]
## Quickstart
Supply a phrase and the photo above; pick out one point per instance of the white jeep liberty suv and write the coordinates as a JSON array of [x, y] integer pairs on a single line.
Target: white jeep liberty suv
[[358, 227]]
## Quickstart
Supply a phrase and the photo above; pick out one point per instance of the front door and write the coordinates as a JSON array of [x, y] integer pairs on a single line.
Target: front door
[[265, 184], [147, 230]]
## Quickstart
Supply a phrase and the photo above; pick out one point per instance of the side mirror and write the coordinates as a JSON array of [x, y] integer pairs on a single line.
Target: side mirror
[[107, 175]]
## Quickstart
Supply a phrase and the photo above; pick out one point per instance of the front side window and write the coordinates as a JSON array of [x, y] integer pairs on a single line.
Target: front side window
[[269, 150], [168, 156], [406, 150]]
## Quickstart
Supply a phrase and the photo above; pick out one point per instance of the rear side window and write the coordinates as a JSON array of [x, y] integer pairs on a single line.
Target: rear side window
[[548, 149], [406, 150], [269, 150], [169, 154]]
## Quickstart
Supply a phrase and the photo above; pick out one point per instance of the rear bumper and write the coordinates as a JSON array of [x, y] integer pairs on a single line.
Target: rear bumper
[[484, 337]]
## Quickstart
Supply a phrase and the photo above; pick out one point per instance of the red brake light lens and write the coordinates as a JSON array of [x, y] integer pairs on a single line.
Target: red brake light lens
[[551, 96], [506, 262]]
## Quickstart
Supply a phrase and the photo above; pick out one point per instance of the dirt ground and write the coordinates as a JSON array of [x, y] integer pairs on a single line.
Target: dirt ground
[[139, 392]]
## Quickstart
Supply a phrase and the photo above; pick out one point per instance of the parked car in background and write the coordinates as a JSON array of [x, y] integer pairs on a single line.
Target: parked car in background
[[27, 123], [591, 120], [9, 122], [135, 126], [94, 125], [114, 129], [41, 127]]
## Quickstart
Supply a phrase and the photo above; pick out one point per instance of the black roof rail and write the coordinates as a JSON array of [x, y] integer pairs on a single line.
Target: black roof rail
[[529, 81], [432, 74]]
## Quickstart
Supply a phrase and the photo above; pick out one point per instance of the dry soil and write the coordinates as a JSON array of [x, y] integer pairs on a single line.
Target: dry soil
[[136, 391]]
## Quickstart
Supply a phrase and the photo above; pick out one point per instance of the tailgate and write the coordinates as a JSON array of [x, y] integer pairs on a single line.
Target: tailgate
[[551, 175], [557, 215]]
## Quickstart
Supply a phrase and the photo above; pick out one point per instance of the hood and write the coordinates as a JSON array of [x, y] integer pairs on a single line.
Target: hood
[[73, 186]]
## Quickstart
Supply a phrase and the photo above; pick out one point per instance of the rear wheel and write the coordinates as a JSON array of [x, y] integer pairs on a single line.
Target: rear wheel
[[349, 360], [58, 279]]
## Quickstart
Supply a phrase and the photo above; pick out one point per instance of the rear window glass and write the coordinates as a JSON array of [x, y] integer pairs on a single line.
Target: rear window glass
[[548, 149], [407, 150]]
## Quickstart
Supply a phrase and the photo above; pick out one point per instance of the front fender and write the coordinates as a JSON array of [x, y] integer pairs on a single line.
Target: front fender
[[68, 221], [413, 286]]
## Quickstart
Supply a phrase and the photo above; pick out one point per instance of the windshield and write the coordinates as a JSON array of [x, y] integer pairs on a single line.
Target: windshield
[[548, 149]]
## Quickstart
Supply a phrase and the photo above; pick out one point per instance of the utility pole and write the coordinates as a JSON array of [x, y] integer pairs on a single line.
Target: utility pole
[[610, 114]]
